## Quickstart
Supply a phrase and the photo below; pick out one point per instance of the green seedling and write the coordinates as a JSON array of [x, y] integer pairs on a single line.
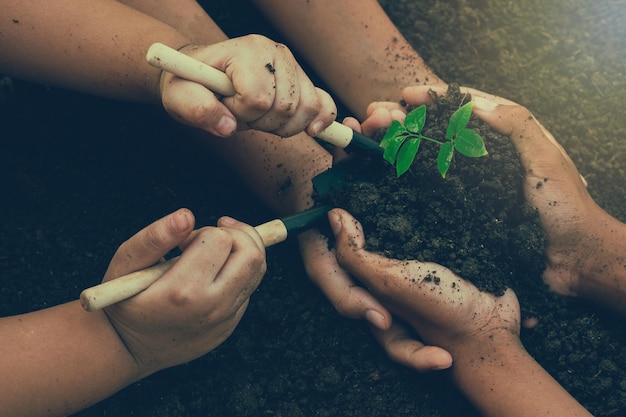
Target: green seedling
[[402, 141]]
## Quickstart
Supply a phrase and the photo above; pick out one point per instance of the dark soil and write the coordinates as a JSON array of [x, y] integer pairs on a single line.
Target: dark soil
[[474, 221], [82, 174]]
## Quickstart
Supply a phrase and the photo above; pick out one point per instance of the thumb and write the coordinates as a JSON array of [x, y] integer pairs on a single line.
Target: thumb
[[151, 244], [541, 155], [380, 274]]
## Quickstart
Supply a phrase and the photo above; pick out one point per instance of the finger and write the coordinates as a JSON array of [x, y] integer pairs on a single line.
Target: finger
[[326, 114], [256, 76], [352, 123], [242, 272], [278, 98], [412, 353], [367, 267], [204, 254], [349, 299], [298, 106], [226, 221], [212, 268], [380, 118], [541, 155], [340, 154], [288, 102], [390, 106], [406, 287], [422, 94], [150, 244], [195, 105]]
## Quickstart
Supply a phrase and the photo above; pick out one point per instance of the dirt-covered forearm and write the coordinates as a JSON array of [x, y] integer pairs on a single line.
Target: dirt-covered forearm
[[497, 374], [278, 169], [603, 278]]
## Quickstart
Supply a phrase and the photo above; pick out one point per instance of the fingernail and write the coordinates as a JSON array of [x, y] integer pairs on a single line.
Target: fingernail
[[440, 367], [376, 319], [334, 220], [179, 221], [226, 126], [316, 127], [484, 104], [227, 221]]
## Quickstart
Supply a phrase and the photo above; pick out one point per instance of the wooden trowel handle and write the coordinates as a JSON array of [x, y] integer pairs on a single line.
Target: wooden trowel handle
[[173, 61]]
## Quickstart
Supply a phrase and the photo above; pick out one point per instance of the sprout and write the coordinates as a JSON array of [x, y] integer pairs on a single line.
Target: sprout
[[402, 141]]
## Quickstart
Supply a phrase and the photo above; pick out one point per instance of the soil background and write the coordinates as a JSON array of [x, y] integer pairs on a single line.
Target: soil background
[[79, 175]]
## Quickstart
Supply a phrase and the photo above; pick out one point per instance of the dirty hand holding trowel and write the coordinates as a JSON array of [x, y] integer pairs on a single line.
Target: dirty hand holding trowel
[[189, 68], [265, 90]]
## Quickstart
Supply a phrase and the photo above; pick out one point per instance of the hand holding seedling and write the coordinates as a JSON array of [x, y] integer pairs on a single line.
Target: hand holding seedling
[[586, 246]]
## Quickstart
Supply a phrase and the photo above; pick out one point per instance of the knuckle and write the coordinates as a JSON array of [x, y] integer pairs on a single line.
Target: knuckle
[[259, 103], [181, 297], [522, 112], [258, 38], [258, 263], [286, 108], [154, 239], [344, 305], [218, 237]]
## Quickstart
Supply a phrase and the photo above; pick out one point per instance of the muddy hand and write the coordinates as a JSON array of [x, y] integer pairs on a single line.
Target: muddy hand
[[198, 302], [443, 308], [272, 92], [586, 246], [349, 299]]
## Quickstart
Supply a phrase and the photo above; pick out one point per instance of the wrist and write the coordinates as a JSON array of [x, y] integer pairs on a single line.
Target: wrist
[[477, 348], [499, 377]]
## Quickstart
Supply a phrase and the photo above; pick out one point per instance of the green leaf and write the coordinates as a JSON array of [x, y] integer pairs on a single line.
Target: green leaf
[[444, 158], [415, 120], [392, 141], [470, 143], [459, 120], [406, 155], [394, 130]]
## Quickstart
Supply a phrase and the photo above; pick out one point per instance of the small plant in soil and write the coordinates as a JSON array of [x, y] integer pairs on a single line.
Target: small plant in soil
[[402, 141], [475, 221]]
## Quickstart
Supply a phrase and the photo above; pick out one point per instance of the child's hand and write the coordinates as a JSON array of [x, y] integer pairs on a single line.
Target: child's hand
[[199, 301], [273, 94]]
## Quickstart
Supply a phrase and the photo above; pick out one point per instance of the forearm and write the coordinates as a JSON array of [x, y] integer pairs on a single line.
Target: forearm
[[603, 279], [60, 360], [353, 46], [278, 169], [497, 374], [97, 47]]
